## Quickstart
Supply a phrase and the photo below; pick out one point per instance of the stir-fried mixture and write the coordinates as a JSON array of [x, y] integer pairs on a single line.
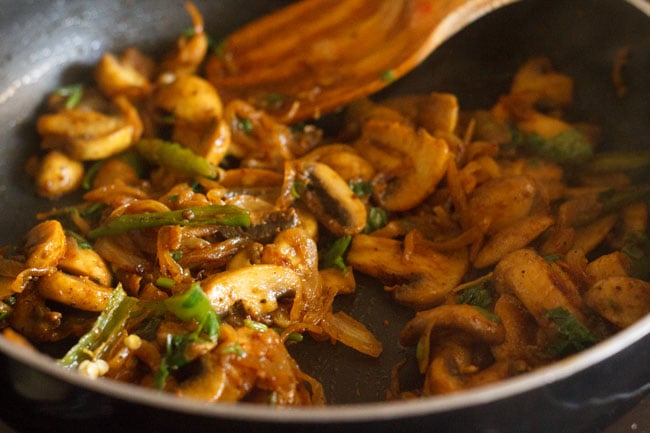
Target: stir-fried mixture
[[211, 235]]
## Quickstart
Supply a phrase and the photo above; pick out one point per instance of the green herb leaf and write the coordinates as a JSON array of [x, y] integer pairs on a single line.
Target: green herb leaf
[[362, 188], [73, 93], [81, 241], [572, 336], [297, 188], [245, 125], [193, 304], [479, 296], [333, 257], [165, 283], [636, 246], [235, 349], [257, 326], [388, 75], [377, 218]]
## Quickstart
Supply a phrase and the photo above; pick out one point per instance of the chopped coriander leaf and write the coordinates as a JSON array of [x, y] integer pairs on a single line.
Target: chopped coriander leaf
[[176, 345], [165, 283], [93, 211], [197, 186], [191, 304], [299, 127], [362, 188], [572, 336], [4, 315], [188, 32], [177, 255], [388, 75], [297, 188], [377, 218], [219, 49], [72, 92], [552, 258], [91, 173], [275, 99], [333, 257], [257, 326], [81, 241], [636, 246], [478, 296], [245, 125], [235, 349], [295, 337]]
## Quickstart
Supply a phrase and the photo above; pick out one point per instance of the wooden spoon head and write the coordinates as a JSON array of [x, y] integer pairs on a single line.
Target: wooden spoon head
[[315, 56]]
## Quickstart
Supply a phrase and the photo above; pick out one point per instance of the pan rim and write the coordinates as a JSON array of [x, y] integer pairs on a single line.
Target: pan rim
[[341, 413], [355, 412]]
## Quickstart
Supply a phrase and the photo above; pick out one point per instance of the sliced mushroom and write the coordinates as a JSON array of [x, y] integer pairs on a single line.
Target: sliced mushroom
[[409, 162], [420, 279], [531, 279], [77, 292], [259, 139], [87, 134], [116, 77], [621, 300], [83, 261], [189, 98], [500, 202], [537, 82], [463, 321], [520, 329], [327, 196], [190, 49], [45, 245], [344, 160], [260, 365], [511, 238], [435, 112], [614, 264], [257, 287], [295, 249], [57, 175], [589, 237]]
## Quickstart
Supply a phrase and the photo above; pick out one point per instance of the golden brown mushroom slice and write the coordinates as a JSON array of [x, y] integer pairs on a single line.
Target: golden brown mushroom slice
[[257, 287], [499, 202], [248, 362], [531, 279], [420, 279], [86, 134], [409, 162], [326, 195], [45, 244], [621, 300]]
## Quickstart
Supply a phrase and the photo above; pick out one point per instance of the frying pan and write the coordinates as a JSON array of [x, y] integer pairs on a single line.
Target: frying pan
[[47, 44]]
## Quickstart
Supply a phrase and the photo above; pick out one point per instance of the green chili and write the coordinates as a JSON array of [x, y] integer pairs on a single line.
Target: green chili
[[225, 215]]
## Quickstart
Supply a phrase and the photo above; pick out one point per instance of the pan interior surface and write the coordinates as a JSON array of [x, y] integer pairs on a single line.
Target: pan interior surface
[[58, 42]]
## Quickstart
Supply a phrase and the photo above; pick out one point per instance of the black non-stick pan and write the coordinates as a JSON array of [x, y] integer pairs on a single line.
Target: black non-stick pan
[[45, 44]]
